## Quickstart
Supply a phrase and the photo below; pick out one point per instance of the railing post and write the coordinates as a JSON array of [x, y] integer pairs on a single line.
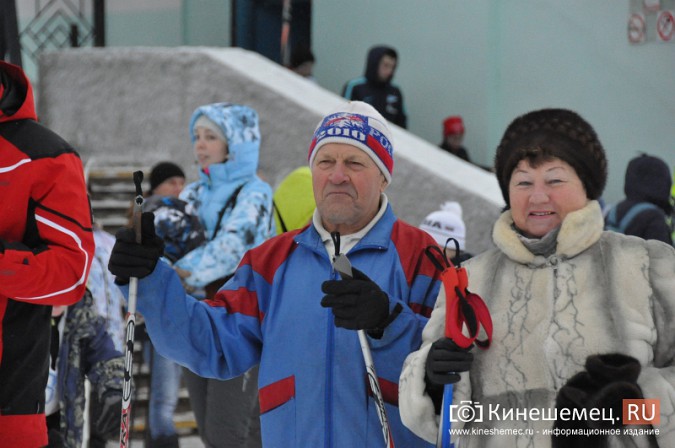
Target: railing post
[[9, 33], [99, 23]]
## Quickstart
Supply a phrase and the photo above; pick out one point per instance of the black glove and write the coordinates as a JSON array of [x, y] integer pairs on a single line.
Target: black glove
[[107, 422], [130, 259], [358, 303], [445, 360], [606, 382]]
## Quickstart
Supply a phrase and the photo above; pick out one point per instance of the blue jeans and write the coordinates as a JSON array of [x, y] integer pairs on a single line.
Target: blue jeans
[[164, 385]]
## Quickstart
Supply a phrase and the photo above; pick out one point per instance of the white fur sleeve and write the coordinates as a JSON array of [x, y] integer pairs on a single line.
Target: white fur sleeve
[[415, 406], [658, 381]]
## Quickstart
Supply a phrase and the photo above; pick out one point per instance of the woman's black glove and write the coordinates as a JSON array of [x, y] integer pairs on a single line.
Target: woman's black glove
[[358, 303], [444, 362], [130, 259], [446, 359], [606, 382]]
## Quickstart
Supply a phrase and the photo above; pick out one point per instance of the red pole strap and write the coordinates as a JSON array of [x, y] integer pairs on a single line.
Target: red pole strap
[[464, 308]]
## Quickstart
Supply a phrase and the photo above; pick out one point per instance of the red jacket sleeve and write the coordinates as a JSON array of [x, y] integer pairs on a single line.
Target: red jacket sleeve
[[49, 250]]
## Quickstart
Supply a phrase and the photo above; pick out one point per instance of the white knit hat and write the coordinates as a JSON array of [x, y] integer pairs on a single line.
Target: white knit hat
[[358, 124], [446, 223]]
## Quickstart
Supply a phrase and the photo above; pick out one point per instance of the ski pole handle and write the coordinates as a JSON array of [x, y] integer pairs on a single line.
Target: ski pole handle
[[125, 425]]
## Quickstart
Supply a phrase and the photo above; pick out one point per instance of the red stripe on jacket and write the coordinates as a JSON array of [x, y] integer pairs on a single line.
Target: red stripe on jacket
[[410, 243], [275, 394], [389, 391], [240, 301], [266, 258]]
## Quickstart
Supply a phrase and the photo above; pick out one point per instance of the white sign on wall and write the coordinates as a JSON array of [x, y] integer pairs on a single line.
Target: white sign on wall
[[637, 29], [665, 25]]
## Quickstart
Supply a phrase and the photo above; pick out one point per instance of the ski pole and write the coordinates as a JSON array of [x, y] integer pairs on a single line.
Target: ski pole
[[463, 309], [344, 267], [125, 428], [377, 392]]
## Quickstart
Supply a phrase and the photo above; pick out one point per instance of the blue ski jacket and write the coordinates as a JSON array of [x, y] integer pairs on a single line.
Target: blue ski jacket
[[233, 203], [312, 382]]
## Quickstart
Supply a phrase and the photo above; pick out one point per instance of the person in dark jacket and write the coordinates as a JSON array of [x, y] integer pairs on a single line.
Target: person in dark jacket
[[376, 88], [83, 349], [46, 249], [648, 182]]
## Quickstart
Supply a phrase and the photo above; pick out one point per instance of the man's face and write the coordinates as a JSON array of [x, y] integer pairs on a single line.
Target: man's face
[[347, 187], [170, 187], [386, 69]]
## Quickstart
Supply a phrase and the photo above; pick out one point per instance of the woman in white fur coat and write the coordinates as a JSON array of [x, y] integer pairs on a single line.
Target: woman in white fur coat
[[583, 319]]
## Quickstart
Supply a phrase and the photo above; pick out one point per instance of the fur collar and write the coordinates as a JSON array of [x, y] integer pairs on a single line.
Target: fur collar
[[578, 232]]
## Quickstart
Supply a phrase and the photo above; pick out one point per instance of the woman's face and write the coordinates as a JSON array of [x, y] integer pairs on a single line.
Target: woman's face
[[209, 148], [542, 197]]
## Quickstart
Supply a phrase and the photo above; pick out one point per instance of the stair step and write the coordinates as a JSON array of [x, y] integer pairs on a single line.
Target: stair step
[[117, 171], [110, 203]]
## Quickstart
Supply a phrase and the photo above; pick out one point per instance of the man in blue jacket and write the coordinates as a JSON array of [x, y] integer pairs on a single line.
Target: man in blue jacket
[[288, 310]]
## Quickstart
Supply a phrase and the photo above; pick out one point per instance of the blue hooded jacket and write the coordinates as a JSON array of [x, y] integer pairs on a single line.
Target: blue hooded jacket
[[232, 189]]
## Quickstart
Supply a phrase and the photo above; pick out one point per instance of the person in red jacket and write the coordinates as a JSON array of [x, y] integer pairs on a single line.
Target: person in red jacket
[[46, 248]]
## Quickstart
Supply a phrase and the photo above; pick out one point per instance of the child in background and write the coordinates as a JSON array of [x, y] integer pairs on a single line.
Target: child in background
[[447, 223]]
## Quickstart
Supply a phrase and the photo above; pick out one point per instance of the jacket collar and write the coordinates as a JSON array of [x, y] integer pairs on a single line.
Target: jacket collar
[[579, 230], [378, 237]]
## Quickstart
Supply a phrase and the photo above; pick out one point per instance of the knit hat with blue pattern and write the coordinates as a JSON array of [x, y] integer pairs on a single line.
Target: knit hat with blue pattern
[[358, 124]]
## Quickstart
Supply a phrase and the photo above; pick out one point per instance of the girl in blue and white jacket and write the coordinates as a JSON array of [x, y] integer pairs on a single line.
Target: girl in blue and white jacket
[[232, 202], [235, 207]]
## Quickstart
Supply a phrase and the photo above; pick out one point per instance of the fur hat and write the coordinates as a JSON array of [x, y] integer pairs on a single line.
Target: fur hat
[[453, 126], [553, 133], [163, 171], [446, 223], [360, 125]]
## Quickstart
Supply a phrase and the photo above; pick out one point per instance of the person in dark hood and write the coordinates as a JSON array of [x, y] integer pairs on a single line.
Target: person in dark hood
[[647, 205], [376, 88]]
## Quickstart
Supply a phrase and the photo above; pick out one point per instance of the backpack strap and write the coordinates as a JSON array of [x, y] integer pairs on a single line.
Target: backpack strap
[[628, 217], [281, 220], [231, 202]]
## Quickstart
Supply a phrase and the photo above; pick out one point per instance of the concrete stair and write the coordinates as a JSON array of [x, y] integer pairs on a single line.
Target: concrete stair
[[112, 191]]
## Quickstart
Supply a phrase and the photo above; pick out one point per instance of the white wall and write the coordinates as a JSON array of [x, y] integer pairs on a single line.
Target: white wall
[[492, 60]]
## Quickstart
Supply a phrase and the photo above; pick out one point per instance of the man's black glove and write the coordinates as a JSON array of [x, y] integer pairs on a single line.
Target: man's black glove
[[107, 422], [606, 382], [358, 303], [130, 259]]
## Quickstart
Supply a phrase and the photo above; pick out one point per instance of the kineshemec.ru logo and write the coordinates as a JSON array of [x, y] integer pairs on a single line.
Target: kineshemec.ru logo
[[644, 411]]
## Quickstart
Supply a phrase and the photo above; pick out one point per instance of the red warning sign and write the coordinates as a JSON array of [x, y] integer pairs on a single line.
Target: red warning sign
[[636, 28], [665, 25]]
